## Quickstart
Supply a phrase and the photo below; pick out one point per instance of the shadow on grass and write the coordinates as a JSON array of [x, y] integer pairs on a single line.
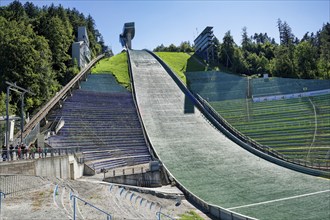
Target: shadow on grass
[[194, 63]]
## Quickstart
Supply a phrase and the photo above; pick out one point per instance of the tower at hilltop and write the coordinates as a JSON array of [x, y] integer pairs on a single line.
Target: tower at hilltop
[[126, 37], [80, 49], [204, 45]]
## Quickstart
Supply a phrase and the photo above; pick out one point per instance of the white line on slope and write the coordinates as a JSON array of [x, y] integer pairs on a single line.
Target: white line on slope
[[278, 200]]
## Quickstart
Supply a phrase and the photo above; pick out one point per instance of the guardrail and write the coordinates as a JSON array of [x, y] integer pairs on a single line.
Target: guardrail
[[4, 196], [158, 214], [45, 110], [74, 198], [44, 153]]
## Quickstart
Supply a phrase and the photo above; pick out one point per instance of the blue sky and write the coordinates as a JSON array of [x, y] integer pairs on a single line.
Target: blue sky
[[167, 22]]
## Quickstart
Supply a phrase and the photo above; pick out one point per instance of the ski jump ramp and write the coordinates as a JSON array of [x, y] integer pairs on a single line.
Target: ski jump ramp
[[210, 165]]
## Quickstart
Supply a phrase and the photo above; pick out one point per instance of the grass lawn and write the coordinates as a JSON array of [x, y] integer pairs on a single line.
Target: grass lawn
[[116, 65], [181, 62], [191, 216]]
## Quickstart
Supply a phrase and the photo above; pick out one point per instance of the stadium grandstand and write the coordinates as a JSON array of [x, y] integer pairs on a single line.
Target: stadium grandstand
[[297, 127], [101, 120]]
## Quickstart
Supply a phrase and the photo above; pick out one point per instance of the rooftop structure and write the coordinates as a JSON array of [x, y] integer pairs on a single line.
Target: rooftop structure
[[126, 37], [204, 44]]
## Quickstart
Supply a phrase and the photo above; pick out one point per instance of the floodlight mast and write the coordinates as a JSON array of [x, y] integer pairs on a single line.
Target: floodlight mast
[[22, 91]]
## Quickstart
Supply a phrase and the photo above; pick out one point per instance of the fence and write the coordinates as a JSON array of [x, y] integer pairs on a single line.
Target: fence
[[45, 152], [74, 198], [123, 171]]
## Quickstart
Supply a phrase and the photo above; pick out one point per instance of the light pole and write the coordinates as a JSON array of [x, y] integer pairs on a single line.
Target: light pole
[[22, 115], [7, 119], [22, 91]]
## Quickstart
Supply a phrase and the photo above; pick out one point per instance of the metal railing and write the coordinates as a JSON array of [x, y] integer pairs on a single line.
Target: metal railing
[[44, 153], [122, 171], [4, 196], [74, 198], [159, 213]]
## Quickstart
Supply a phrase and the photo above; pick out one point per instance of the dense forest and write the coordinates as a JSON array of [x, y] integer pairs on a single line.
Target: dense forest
[[35, 49], [307, 58]]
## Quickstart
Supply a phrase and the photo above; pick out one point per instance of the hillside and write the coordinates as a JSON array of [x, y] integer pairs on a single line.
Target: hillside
[[182, 62], [116, 65]]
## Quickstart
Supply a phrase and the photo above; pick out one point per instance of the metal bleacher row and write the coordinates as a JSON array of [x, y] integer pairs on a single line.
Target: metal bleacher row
[[102, 121]]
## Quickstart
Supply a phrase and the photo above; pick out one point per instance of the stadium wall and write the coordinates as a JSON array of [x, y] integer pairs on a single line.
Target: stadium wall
[[65, 167], [291, 96]]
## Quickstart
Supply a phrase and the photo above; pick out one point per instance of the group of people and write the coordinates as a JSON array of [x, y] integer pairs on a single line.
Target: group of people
[[23, 152]]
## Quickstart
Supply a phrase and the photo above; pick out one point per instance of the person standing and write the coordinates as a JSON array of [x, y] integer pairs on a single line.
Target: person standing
[[4, 153], [11, 152], [19, 152]]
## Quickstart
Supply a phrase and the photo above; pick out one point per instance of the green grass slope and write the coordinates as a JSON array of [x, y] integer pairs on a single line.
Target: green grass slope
[[116, 65], [182, 62]]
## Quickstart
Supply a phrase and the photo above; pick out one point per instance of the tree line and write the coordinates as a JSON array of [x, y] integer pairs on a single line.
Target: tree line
[[307, 58], [185, 47], [35, 49]]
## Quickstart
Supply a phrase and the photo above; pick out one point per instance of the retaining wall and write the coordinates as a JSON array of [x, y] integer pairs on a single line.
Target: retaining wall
[[149, 179], [65, 167]]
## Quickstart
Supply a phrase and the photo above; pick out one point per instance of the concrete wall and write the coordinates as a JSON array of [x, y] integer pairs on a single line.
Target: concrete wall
[[78, 169], [149, 179], [53, 166], [18, 167], [65, 167]]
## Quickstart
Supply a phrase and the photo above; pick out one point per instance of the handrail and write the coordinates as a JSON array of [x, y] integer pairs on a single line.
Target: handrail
[[161, 213], [4, 196], [86, 203], [57, 124], [55, 193], [44, 110]]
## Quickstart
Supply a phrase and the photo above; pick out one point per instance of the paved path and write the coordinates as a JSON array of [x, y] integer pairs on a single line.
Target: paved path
[[213, 167]]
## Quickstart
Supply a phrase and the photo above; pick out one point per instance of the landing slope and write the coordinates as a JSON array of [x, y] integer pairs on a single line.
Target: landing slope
[[210, 165]]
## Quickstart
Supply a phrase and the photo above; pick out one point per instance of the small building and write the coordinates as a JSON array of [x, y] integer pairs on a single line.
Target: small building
[[204, 46], [80, 49]]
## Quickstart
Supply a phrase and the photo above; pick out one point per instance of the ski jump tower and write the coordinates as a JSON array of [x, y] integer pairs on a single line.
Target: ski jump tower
[[80, 49], [126, 37]]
